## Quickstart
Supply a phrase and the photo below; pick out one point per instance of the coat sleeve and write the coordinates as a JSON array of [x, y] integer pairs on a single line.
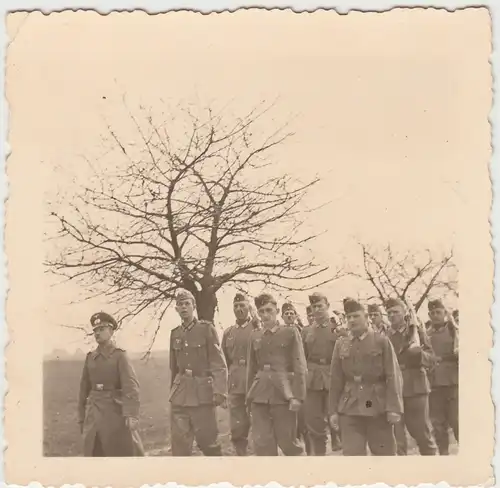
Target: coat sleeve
[[216, 362], [251, 364], [174, 369], [84, 391], [129, 386], [393, 378], [299, 366], [337, 379], [427, 353]]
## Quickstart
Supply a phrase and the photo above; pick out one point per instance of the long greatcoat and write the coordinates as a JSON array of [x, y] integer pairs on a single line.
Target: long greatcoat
[[109, 392]]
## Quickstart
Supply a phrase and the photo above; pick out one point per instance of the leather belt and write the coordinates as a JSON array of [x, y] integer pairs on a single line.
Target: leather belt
[[191, 374], [359, 379], [101, 387]]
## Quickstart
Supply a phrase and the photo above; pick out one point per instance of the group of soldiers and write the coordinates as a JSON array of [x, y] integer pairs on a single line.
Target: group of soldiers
[[346, 375]]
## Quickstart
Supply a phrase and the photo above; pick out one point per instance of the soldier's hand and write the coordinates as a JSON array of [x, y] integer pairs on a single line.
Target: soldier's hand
[[334, 421], [220, 400], [295, 405], [132, 423], [393, 418]]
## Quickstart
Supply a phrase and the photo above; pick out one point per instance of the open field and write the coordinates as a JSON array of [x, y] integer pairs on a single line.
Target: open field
[[61, 383]]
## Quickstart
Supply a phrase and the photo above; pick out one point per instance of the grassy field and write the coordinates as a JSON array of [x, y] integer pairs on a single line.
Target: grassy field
[[61, 383]]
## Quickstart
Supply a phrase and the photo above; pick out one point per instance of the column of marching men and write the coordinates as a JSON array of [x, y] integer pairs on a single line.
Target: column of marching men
[[347, 375]]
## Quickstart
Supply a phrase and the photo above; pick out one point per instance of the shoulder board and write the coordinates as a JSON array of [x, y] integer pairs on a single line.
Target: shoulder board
[[176, 328]]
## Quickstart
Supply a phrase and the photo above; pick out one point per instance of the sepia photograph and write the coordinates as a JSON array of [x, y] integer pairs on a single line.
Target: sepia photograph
[[249, 234]]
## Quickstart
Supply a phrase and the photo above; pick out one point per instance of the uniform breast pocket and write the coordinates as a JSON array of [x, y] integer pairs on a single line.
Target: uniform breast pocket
[[230, 340], [377, 362]]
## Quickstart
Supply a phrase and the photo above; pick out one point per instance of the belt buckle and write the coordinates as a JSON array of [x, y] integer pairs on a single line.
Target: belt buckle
[[99, 387], [242, 362], [267, 367], [188, 372], [358, 379]]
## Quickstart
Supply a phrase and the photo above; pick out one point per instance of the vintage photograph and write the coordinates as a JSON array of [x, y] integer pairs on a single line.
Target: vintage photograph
[[251, 234]]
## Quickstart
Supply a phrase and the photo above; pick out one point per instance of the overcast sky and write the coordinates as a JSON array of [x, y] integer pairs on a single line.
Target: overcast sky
[[380, 121]]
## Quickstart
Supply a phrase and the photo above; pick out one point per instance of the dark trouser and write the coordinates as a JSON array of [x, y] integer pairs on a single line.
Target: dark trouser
[[302, 430], [316, 412], [274, 426], [416, 420], [239, 421], [98, 450], [443, 403], [357, 432], [188, 423]]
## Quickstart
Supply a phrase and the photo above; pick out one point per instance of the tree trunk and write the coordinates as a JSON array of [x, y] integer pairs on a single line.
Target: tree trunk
[[206, 303]]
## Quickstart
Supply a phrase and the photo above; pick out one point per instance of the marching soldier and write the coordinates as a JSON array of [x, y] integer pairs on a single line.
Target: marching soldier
[[365, 387], [199, 381], [443, 400], [319, 342], [235, 346], [276, 389], [376, 318], [414, 356], [108, 405], [290, 318]]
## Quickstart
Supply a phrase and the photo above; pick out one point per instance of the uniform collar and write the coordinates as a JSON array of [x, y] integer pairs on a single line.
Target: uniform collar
[[272, 330], [244, 324], [105, 351], [189, 326], [361, 337], [402, 330], [324, 323]]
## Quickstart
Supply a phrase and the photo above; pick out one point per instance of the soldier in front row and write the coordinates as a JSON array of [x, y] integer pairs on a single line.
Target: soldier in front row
[[108, 404], [275, 382], [198, 381], [414, 360], [319, 342], [365, 387], [443, 400], [235, 346]]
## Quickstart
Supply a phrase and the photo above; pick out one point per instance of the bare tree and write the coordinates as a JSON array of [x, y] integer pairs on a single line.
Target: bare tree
[[191, 202], [409, 275]]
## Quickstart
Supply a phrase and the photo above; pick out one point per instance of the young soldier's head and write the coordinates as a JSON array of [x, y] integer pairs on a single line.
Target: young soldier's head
[[357, 318], [241, 307], [288, 313], [185, 305], [396, 311], [310, 315], [375, 314], [267, 308], [103, 326], [437, 312], [320, 307]]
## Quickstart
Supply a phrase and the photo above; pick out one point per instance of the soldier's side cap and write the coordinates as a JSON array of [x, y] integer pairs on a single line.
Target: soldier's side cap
[[435, 304], [264, 299], [287, 306], [317, 297], [183, 294], [394, 302], [240, 297], [102, 318], [351, 305], [374, 307]]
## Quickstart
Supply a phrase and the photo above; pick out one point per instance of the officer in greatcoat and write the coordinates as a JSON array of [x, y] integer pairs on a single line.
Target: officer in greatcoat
[[108, 404], [365, 387], [235, 347], [443, 399], [319, 342], [199, 381], [276, 387], [414, 360]]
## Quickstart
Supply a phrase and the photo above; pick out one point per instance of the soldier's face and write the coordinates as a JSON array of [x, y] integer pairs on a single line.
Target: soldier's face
[[396, 316], [376, 318], [310, 318], [185, 308], [241, 310], [103, 334], [357, 321], [289, 317], [268, 314], [320, 310], [437, 316]]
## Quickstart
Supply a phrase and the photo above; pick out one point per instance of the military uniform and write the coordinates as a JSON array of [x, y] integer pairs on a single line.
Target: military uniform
[[109, 393], [276, 374], [199, 373], [443, 400], [319, 342], [365, 385], [413, 363], [235, 347]]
